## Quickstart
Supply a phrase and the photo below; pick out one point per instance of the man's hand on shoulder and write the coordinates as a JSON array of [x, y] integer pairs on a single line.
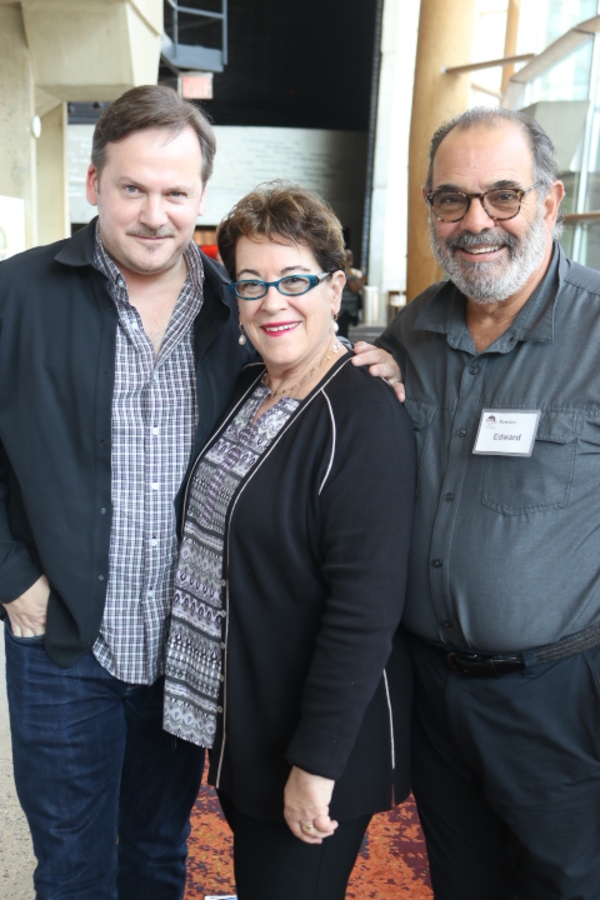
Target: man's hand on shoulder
[[381, 364], [27, 614]]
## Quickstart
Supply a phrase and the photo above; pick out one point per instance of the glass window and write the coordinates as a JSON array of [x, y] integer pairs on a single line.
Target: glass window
[[567, 240], [566, 101], [568, 80], [540, 24], [589, 253]]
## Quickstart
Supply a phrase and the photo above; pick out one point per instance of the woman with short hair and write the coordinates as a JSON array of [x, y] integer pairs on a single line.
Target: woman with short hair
[[284, 656]]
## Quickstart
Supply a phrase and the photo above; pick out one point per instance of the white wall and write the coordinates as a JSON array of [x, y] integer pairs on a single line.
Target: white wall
[[17, 108], [388, 238], [332, 163]]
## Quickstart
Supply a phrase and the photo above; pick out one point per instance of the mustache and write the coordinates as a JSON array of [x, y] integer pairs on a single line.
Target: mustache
[[467, 240], [150, 233]]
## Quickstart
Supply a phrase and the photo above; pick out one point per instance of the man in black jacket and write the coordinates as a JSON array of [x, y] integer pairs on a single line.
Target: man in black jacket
[[118, 349]]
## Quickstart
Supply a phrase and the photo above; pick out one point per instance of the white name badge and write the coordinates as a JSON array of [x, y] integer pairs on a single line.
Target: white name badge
[[507, 432]]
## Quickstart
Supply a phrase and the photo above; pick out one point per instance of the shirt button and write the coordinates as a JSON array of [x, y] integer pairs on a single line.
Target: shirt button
[[223, 582], [100, 577], [461, 432], [221, 678], [222, 645], [447, 623], [219, 709], [155, 485], [154, 542], [102, 510], [474, 370], [449, 496], [437, 563], [155, 431]]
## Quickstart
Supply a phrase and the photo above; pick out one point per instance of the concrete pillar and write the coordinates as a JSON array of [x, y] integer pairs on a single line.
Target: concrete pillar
[[53, 177], [445, 39], [17, 109], [93, 49], [510, 42], [386, 268]]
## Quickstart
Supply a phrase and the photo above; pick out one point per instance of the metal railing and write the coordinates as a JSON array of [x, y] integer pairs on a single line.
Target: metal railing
[[200, 13]]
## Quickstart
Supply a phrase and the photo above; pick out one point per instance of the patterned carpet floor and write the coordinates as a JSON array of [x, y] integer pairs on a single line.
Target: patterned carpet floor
[[392, 863]]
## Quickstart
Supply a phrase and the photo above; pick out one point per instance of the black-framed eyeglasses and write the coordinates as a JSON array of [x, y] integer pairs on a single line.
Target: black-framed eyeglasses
[[500, 204], [289, 286]]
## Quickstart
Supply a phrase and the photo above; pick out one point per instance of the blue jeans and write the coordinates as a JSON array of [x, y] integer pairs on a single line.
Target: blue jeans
[[106, 791]]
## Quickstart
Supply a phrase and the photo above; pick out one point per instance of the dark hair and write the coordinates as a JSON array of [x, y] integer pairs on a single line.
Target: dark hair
[[284, 211], [545, 166], [152, 106]]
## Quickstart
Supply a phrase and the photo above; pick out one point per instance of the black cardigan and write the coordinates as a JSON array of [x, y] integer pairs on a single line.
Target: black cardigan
[[315, 566], [58, 328]]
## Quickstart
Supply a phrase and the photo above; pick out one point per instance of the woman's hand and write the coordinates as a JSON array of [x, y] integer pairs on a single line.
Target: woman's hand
[[306, 806], [380, 363]]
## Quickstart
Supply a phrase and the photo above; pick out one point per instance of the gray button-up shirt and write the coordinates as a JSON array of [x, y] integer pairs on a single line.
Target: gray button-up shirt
[[505, 553]]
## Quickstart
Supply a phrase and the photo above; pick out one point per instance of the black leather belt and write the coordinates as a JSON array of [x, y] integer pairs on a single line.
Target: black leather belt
[[471, 664], [483, 665]]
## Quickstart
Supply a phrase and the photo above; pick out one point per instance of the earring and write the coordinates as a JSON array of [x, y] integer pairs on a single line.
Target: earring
[[242, 338], [336, 327]]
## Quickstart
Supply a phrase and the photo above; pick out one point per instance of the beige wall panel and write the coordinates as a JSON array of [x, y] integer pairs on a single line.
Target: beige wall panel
[[53, 178], [17, 144], [145, 49], [445, 39], [151, 11], [44, 102], [92, 50]]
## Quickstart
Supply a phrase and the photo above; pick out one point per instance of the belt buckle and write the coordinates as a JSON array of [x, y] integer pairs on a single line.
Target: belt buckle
[[478, 665], [467, 665]]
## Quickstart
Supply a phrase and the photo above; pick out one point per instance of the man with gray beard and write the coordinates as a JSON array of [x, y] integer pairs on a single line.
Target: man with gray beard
[[502, 382]]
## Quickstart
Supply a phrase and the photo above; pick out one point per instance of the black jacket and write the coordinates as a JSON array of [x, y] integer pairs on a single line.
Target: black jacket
[[57, 359], [315, 560]]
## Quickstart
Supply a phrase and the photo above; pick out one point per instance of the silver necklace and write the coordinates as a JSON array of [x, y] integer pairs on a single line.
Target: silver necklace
[[294, 387]]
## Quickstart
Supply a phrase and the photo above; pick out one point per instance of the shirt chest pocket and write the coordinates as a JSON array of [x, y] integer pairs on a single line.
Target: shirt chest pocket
[[516, 486]]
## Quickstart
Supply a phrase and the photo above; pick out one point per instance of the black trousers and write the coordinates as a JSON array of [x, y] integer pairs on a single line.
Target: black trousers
[[270, 863], [506, 775]]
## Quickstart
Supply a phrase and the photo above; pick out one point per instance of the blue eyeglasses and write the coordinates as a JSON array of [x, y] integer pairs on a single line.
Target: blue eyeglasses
[[289, 286]]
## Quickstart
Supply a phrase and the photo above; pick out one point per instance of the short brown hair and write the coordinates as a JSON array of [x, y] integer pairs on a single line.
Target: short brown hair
[[152, 106], [279, 210]]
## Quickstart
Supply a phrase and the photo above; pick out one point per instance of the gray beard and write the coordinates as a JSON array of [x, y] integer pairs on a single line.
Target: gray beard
[[492, 281]]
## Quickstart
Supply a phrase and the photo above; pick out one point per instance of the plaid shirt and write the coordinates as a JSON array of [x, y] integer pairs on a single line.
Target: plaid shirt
[[154, 417]]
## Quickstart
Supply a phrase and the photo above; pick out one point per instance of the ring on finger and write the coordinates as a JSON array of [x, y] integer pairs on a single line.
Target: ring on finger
[[306, 828]]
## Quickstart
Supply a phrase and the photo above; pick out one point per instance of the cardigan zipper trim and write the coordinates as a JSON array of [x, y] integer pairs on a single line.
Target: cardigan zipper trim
[[333, 442], [388, 700]]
